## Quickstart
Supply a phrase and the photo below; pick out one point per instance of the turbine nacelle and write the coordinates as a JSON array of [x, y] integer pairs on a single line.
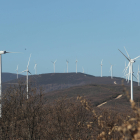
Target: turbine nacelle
[[29, 61], [132, 61], [54, 62], [4, 52], [102, 62]]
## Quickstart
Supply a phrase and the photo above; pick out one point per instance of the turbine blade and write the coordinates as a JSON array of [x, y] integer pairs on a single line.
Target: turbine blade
[[29, 72], [124, 70], [29, 60], [12, 52], [127, 68], [125, 56], [134, 76], [127, 53], [136, 57], [32, 75], [23, 71]]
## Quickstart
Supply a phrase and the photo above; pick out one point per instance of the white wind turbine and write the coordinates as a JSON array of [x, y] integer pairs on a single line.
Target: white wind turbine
[[130, 65], [111, 70], [27, 71], [2, 52], [35, 68], [17, 71], [67, 65], [54, 64], [76, 64], [128, 74], [138, 73], [101, 67], [124, 71]]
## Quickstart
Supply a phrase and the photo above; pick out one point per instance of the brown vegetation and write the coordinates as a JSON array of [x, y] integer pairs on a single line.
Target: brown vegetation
[[62, 119]]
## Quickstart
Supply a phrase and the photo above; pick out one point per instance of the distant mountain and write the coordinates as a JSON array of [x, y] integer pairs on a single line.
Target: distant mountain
[[96, 89], [57, 81], [9, 76]]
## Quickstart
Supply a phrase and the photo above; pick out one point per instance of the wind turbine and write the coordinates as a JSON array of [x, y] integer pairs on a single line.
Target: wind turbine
[[67, 65], [17, 71], [138, 73], [101, 67], [76, 64], [125, 71], [111, 70], [2, 52], [54, 64], [127, 74], [35, 68], [27, 71], [130, 65]]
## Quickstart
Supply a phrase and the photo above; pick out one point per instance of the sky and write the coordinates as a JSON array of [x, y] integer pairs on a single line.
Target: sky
[[88, 31]]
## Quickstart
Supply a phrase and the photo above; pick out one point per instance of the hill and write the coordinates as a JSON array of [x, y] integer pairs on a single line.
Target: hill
[[96, 89], [57, 81], [9, 76], [98, 94]]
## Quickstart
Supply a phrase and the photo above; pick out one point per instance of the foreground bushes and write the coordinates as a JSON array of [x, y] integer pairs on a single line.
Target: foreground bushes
[[64, 119]]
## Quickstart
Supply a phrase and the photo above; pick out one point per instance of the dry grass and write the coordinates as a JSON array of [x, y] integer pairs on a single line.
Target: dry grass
[[110, 128], [64, 119]]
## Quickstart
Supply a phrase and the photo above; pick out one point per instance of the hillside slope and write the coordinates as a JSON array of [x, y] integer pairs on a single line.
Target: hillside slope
[[57, 81], [9, 76], [98, 94], [96, 89]]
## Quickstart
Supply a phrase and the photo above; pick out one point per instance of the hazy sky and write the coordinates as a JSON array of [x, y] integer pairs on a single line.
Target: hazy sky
[[86, 30]]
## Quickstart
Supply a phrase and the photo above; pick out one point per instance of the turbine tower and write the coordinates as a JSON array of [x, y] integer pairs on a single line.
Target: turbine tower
[[27, 71], [111, 70], [17, 71], [101, 67], [2, 52], [67, 65], [76, 64], [138, 73], [35, 68], [130, 65], [54, 64]]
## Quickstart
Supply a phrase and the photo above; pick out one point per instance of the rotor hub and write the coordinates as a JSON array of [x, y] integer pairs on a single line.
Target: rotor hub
[[132, 61]]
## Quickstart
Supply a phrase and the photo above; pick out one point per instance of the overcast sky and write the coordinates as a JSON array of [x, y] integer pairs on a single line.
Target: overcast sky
[[86, 30]]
